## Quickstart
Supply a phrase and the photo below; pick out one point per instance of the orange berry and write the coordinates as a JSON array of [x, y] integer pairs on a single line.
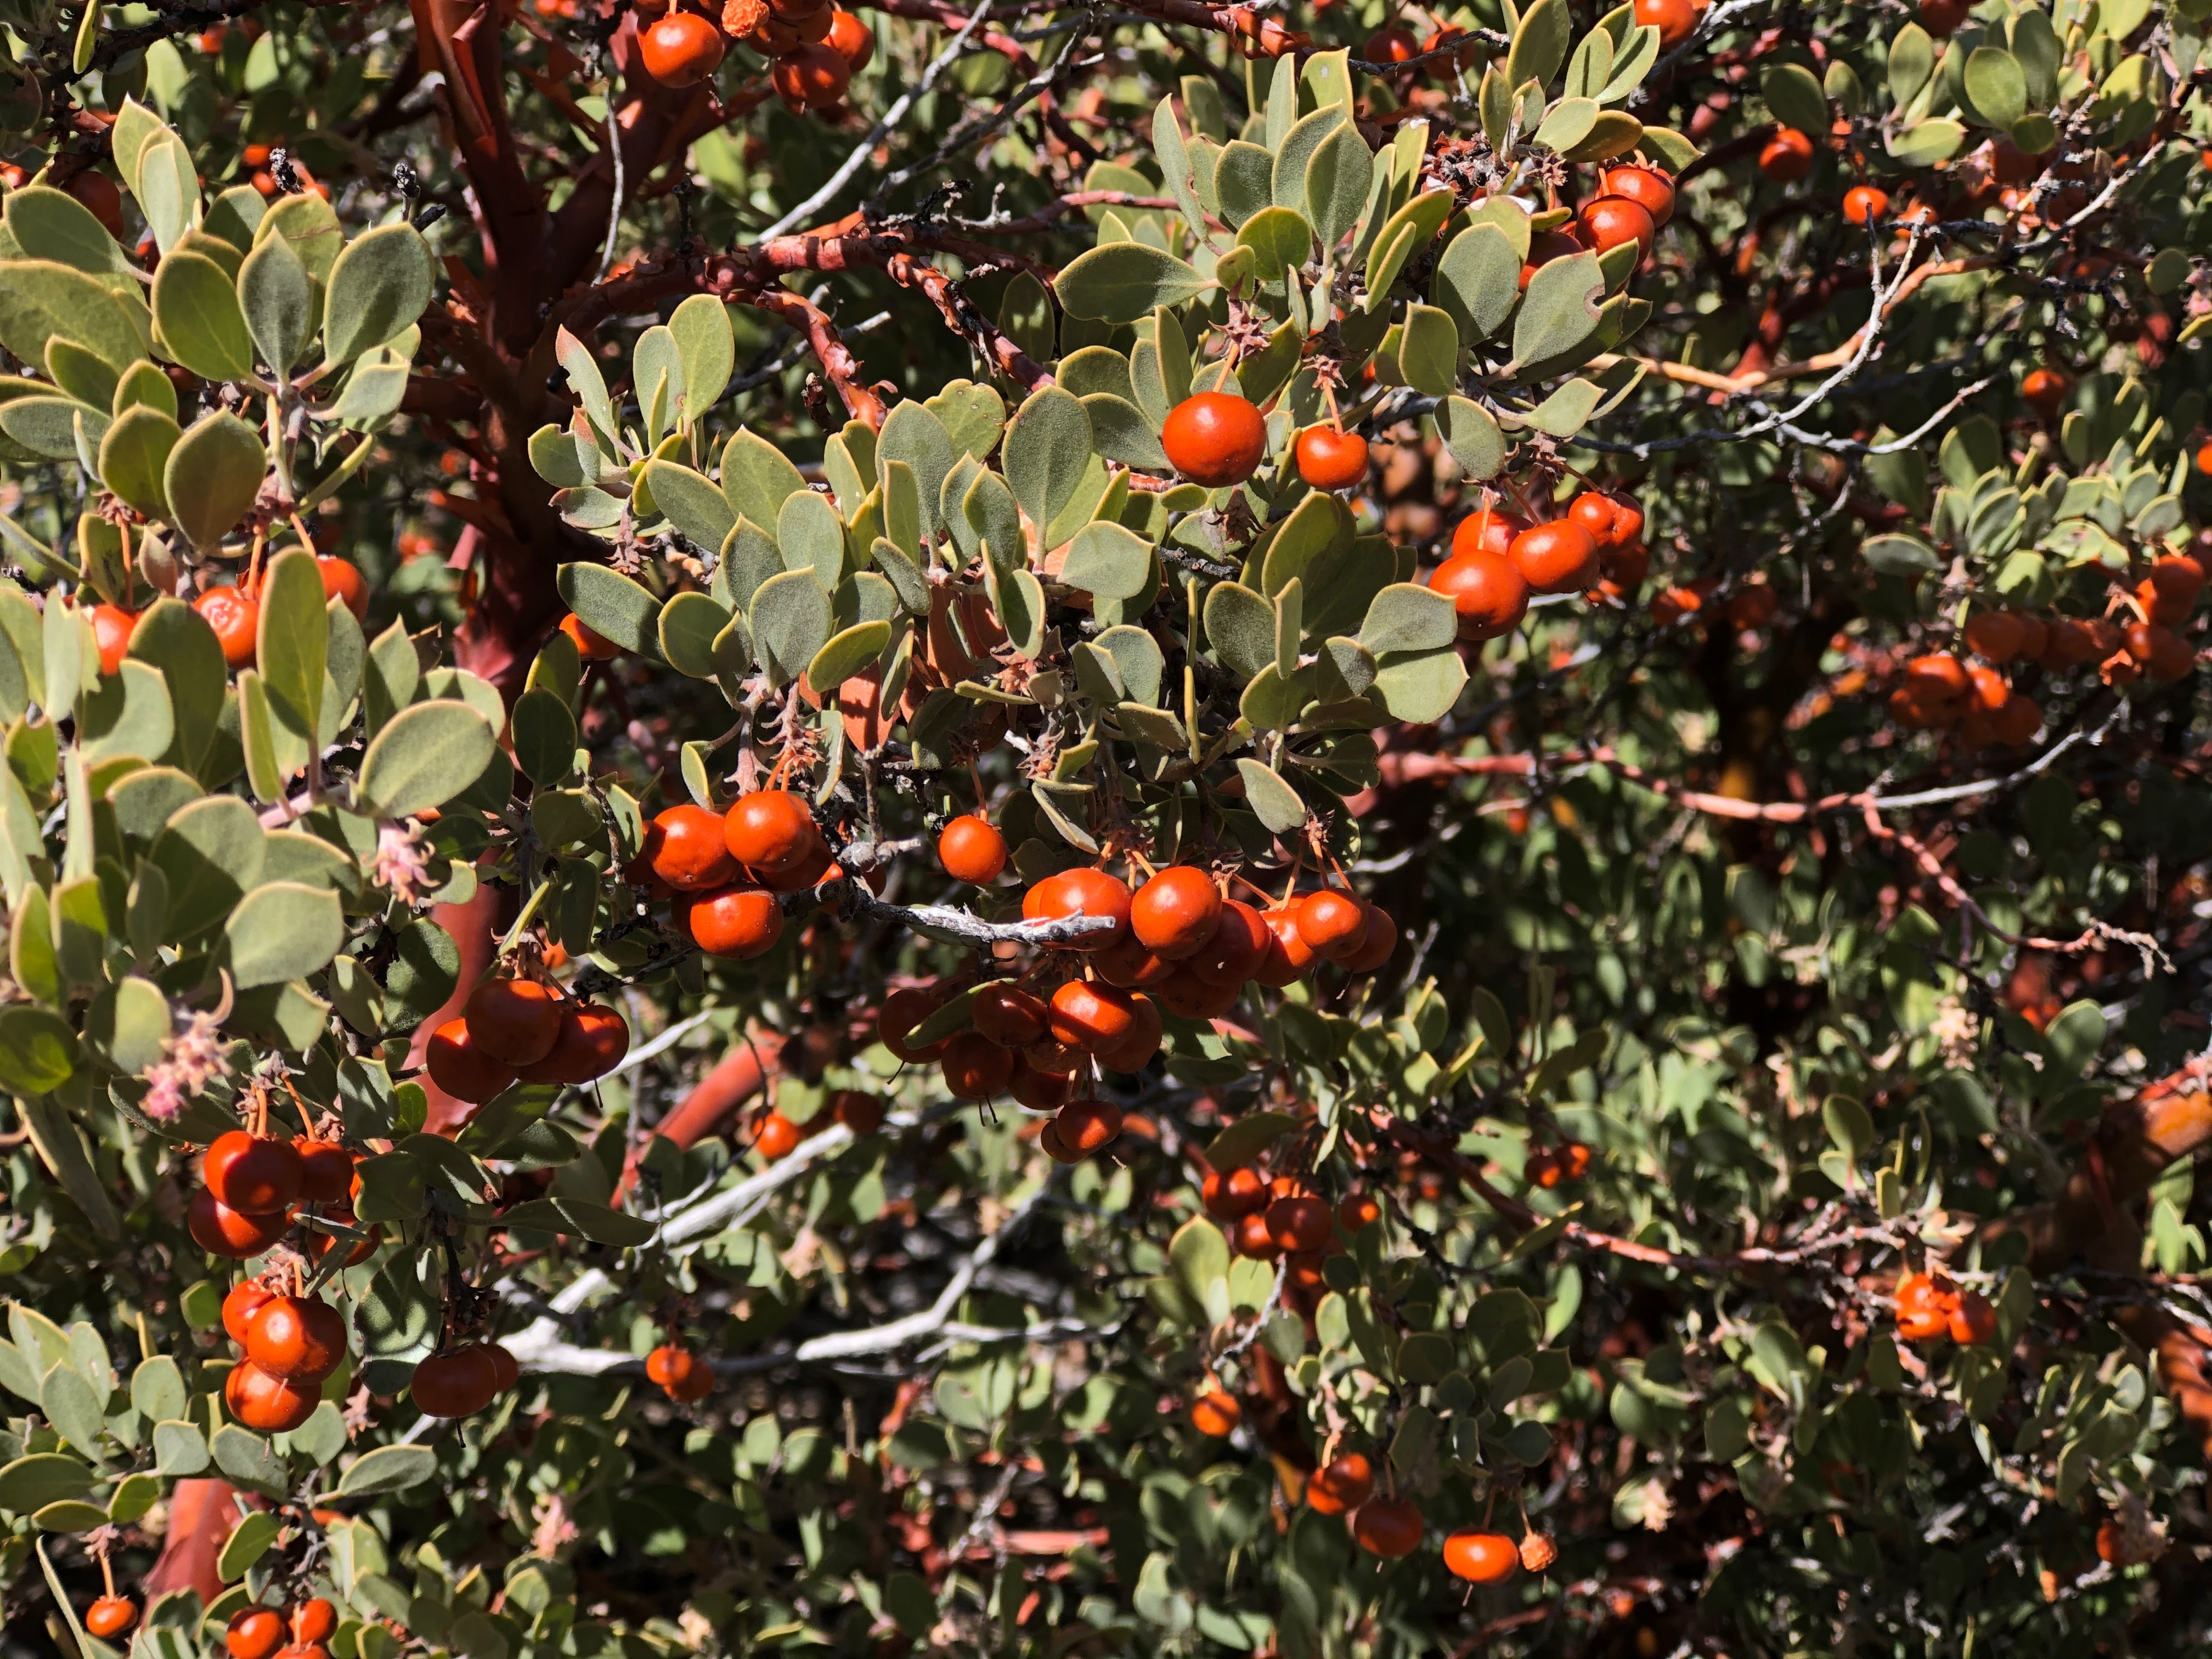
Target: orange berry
[[1387, 1527], [685, 847], [1215, 439], [1650, 187], [1340, 1484], [1787, 157], [1081, 892], [814, 77], [852, 40], [1609, 220], [681, 48], [1481, 1558], [461, 1068], [736, 921], [110, 630], [1215, 1413], [972, 849], [1330, 459], [1556, 558], [1863, 205], [235, 618]]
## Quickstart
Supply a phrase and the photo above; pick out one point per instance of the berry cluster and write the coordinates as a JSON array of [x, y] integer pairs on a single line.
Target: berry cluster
[[1499, 559], [524, 1030], [1176, 945], [1930, 1307], [258, 1632], [722, 871], [253, 1185], [815, 48], [681, 1374]]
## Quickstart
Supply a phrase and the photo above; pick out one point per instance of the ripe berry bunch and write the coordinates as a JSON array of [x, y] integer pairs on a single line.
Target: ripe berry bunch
[[1556, 1165], [259, 1633], [1930, 1307], [681, 1374], [524, 1030], [1176, 945], [461, 1378], [723, 871], [254, 1182], [1499, 559], [291, 1342], [1284, 1219]]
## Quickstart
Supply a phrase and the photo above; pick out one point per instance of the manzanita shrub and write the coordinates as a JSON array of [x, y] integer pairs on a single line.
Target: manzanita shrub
[[1052, 831]]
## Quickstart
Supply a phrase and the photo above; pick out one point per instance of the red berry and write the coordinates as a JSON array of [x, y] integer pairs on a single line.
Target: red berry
[[1215, 439], [681, 48]]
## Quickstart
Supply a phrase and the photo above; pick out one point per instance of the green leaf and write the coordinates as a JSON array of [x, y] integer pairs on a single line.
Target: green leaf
[[1408, 617], [426, 754], [700, 512], [1428, 350], [1473, 437], [209, 852], [1240, 626], [284, 930], [157, 1388], [38, 1049], [1899, 555], [1540, 43], [1996, 86], [1479, 282], [248, 1542], [846, 654], [573, 1215], [1338, 180], [31, 1483], [41, 298], [613, 605], [1108, 562], [690, 625], [1272, 801], [1280, 239], [1794, 95], [378, 286], [1287, 181], [707, 349], [133, 454], [278, 300], [248, 1460], [54, 1136], [1198, 1255], [1047, 445], [1558, 313], [1911, 61], [388, 1468], [52, 224], [197, 317], [1120, 282], [212, 477], [1927, 143], [167, 188], [812, 539], [1420, 686], [292, 646], [1243, 1140], [972, 416], [180, 1449], [1120, 433], [790, 621]]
